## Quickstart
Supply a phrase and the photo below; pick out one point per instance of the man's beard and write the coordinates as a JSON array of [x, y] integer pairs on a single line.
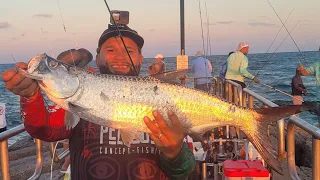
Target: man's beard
[[108, 69]]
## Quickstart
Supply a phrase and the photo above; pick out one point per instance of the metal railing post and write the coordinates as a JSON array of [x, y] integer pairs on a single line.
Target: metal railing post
[[250, 101], [4, 160], [291, 152], [235, 95], [315, 159], [39, 156], [281, 140]]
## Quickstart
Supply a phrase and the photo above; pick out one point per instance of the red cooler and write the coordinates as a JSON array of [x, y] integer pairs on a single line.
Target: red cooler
[[245, 170]]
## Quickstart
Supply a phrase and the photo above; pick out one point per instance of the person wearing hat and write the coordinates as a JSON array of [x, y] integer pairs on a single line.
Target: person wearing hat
[[98, 152], [157, 66], [237, 64], [202, 68]]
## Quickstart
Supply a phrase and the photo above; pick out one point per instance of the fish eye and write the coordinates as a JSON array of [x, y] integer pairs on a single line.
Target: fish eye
[[53, 64]]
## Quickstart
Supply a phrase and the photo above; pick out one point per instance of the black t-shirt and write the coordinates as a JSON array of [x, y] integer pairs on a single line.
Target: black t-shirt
[[297, 86], [98, 153]]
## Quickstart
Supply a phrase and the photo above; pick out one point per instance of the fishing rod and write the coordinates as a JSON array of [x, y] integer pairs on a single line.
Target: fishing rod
[[65, 30], [208, 31], [257, 72], [201, 23], [286, 30], [120, 35], [48, 42], [13, 58], [267, 61], [279, 31], [204, 50]]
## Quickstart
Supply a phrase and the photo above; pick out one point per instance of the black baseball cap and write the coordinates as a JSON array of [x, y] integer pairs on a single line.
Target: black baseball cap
[[125, 31]]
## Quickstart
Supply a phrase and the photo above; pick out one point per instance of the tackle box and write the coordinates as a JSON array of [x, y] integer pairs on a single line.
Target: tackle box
[[244, 170]]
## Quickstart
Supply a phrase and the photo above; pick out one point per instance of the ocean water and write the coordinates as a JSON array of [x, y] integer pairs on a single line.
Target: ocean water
[[276, 71]]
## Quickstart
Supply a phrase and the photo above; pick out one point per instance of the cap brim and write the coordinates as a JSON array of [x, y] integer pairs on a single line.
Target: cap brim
[[126, 33]]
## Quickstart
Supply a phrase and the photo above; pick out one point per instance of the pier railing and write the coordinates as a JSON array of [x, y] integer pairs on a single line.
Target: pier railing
[[234, 93], [4, 136]]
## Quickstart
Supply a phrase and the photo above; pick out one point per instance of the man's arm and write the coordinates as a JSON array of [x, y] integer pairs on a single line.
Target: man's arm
[[181, 167], [243, 69], [41, 124]]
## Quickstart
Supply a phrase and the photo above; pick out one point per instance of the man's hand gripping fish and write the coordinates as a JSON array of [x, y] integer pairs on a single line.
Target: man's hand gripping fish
[[121, 102]]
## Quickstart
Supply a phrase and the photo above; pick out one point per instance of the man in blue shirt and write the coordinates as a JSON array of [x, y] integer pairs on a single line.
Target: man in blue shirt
[[201, 67]]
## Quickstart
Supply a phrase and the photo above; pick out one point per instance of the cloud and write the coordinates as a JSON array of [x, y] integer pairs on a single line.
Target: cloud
[[4, 25], [43, 15], [151, 30], [225, 22], [262, 24], [23, 34], [264, 17]]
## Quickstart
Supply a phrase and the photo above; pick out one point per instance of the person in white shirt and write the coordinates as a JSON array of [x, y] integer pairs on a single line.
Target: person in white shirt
[[3, 122]]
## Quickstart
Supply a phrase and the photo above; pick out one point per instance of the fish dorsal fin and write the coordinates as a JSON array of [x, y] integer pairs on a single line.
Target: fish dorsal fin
[[128, 135], [70, 120], [172, 77]]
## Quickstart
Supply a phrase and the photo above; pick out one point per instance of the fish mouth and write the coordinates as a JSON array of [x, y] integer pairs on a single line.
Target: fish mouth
[[31, 76]]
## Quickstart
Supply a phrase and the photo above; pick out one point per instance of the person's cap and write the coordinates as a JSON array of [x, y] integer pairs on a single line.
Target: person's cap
[[242, 45], [199, 54], [125, 31], [158, 56]]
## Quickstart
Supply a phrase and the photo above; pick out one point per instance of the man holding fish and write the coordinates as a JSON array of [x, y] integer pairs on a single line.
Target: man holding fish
[[99, 152]]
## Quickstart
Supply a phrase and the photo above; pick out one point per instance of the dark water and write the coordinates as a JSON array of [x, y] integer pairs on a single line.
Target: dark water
[[277, 71]]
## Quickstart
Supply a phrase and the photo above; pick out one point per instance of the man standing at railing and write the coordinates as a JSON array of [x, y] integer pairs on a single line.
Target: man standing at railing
[[157, 66], [238, 64], [297, 88], [3, 122], [201, 67]]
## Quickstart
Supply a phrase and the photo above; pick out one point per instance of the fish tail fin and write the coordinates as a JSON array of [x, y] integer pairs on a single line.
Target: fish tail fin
[[260, 138]]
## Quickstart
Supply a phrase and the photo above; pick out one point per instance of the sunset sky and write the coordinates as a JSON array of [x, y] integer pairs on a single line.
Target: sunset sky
[[231, 21]]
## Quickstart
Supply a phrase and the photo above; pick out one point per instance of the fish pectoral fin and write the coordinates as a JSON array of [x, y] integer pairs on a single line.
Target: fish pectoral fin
[[172, 77], [128, 135], [70, 120], [104, 97]]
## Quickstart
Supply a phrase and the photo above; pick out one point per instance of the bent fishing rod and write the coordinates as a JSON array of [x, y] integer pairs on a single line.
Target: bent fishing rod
[[204, 49], [121, 37], [267, 61], [274, 39], [287, 31]]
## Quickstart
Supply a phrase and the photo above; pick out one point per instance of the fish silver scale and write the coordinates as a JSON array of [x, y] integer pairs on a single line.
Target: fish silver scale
[[122, 102]]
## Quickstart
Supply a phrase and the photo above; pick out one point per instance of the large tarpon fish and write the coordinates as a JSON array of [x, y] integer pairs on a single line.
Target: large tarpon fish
[[121, 102]]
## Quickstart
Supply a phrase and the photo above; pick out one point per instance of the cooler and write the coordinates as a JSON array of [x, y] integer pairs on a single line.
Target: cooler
[[244, 170]]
